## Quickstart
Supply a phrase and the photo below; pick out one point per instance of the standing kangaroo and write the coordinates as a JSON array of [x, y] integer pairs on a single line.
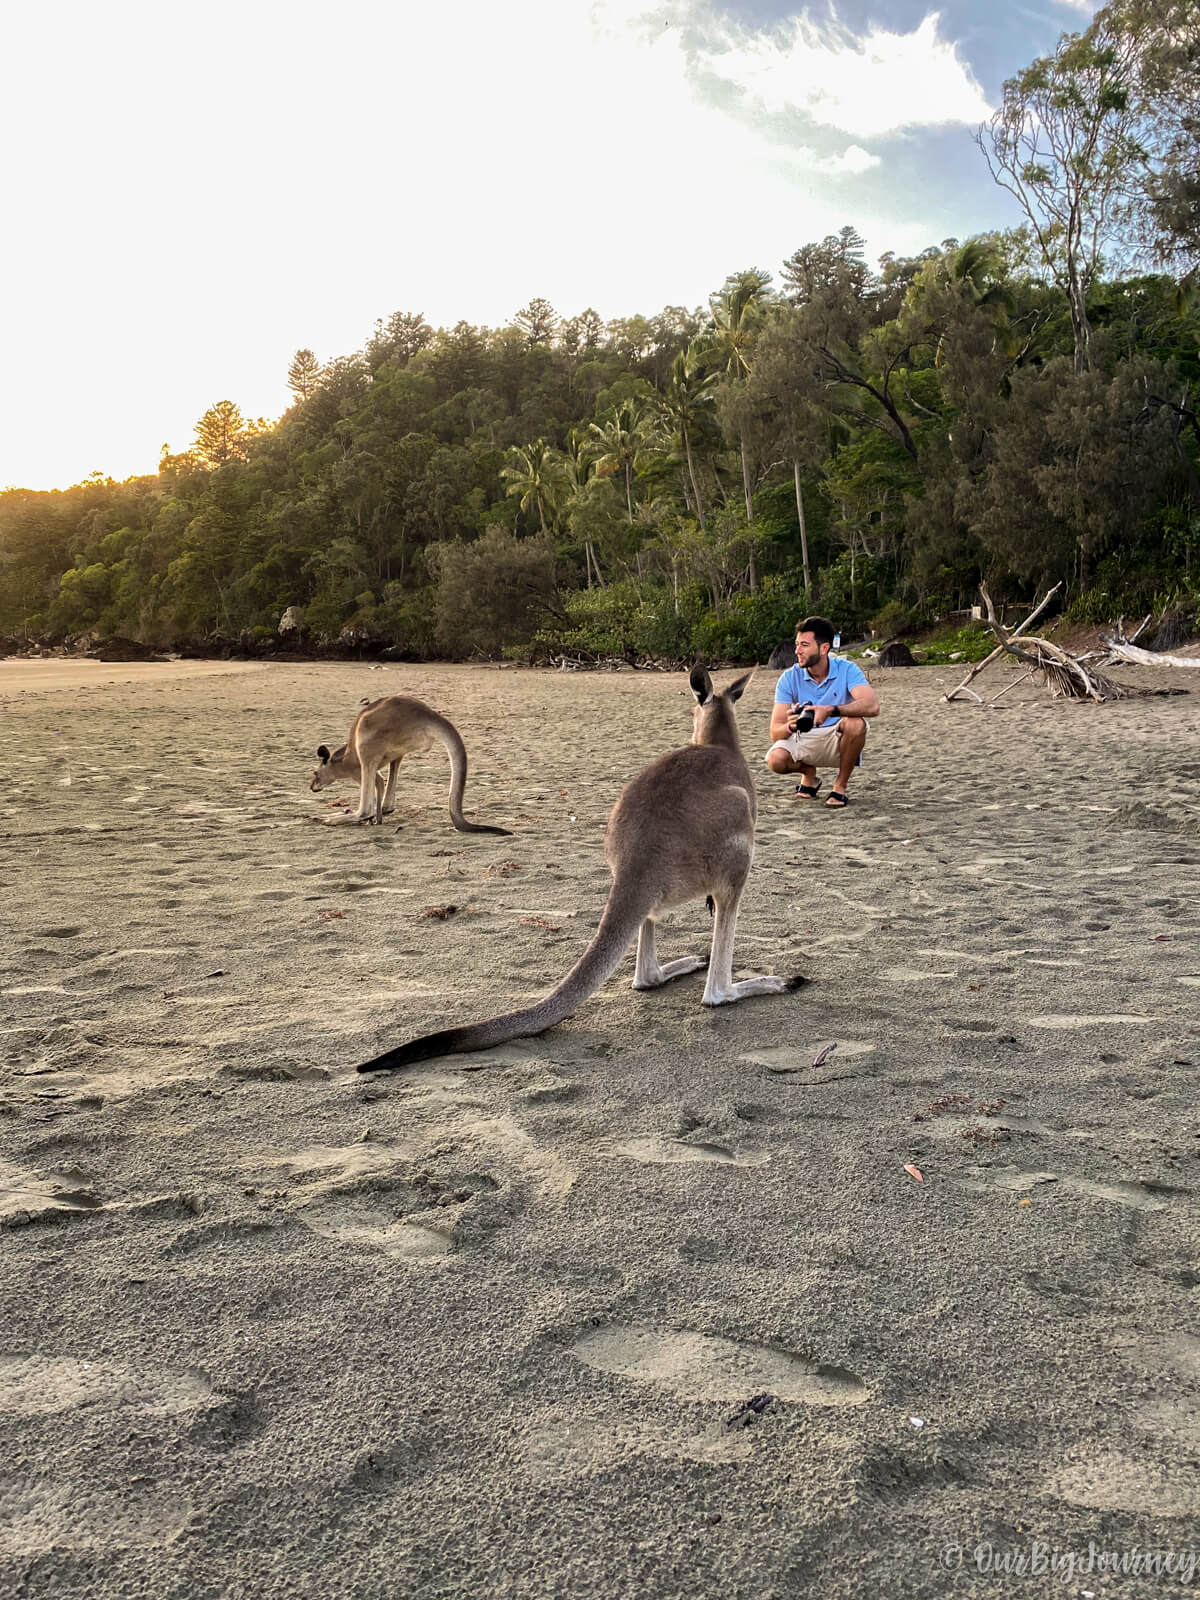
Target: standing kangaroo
[[383, 733], [682, 829]]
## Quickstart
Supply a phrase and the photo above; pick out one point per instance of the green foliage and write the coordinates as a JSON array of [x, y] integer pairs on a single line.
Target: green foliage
[[970, 642], [491, 592], [628, 621], [754, 624], [988, 407], [894, 620]]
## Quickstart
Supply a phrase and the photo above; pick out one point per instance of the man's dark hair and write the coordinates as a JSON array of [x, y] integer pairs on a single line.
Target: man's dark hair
[[821, 629]]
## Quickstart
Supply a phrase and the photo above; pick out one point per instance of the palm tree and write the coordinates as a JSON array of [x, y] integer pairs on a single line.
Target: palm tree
[[535, 475], [686, 403], [736, 316], [578, 465], [620, 440]]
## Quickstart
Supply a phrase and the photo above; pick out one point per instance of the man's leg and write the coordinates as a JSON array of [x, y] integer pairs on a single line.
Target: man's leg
[[802, 754], [852, 735]]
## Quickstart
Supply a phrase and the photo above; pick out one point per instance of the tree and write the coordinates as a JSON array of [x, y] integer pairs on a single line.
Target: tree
[[220, 432], [687, 405], [737, 313], [493, 591], [537, 321], [303, 374], [620, 440], [1067, 144], [399, 339], [533, 474]]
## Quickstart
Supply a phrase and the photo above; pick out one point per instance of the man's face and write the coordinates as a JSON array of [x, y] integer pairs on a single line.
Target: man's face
[[808, 651]]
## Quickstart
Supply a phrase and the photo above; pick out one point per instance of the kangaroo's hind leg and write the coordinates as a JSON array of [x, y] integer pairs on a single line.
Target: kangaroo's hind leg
[[390, 791], [648, 973], [720, 989], [370, 795]]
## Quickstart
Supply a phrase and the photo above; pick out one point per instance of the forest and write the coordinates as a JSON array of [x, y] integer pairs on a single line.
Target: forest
[[867, 441]]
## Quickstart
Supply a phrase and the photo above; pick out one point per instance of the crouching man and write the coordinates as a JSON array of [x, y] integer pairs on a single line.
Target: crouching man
[[834, 731]]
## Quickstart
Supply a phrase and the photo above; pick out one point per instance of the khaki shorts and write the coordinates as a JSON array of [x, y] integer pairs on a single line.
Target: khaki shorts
[[819, 748]]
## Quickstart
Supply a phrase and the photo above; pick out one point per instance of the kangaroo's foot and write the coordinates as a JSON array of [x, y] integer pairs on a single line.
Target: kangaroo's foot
[[724, 995], [656, 976]]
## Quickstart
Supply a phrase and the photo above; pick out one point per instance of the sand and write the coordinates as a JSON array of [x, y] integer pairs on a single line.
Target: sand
[[268, 1328]]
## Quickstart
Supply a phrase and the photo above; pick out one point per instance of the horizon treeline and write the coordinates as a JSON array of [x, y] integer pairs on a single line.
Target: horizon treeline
[[868, 442]]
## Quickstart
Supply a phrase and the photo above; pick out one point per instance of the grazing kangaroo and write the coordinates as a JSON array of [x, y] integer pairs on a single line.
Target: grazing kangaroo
[[682, 829], [383, 733]]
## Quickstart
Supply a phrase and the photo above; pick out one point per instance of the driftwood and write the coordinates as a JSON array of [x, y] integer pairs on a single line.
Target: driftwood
[[1074, 677], [1000, 649], [1119, 651], [1120, 648]]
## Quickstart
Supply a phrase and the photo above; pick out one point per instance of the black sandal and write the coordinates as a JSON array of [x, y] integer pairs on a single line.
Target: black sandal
[[807, 791], [837, 800]]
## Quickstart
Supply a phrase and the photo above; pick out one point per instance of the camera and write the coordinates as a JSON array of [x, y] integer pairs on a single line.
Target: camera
[[803, 716]]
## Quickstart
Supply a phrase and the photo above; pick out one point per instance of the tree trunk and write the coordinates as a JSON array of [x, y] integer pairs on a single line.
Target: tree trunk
[[749, 517], [687, 445], [803, 531]]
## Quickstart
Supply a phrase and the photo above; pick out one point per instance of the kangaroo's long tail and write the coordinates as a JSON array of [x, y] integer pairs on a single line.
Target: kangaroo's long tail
[[457, 751], [597, 963]]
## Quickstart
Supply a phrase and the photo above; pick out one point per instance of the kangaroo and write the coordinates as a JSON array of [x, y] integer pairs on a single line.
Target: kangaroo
[[384, 732], [681, 829]]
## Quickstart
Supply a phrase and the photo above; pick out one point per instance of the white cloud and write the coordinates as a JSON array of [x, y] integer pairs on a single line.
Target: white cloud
[[852, 159], [869, 86]]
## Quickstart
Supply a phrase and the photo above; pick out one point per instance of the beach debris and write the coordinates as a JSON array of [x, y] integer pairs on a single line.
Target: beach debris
[[503, 869], [439, 912], [823, 1054], [913, 1172], [754, 1407], [331, 916], [540, 922], [917, 1422], [218, 972], [1025, 1202]]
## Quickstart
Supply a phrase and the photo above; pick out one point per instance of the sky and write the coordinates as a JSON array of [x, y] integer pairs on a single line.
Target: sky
[[191, 194]]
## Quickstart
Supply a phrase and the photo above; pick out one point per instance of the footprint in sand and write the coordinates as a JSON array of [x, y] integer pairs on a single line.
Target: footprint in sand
[[1109, 1481], [33, 1386], [368, 1196], [698, 1366], [29, 1197], [38, 1518], [912, 975], [1065, 1021], [672, 1152], [823, 1061], [1136, 1195]]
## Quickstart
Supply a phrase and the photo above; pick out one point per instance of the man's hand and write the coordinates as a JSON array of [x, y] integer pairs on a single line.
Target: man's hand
[[822, 715]]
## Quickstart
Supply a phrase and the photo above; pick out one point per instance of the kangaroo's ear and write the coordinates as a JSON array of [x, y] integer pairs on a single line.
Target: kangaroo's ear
[[701, 683], [738, 687], [322, 752]]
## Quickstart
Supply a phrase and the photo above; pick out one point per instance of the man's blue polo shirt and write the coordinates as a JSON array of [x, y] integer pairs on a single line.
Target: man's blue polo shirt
[[795, 686]]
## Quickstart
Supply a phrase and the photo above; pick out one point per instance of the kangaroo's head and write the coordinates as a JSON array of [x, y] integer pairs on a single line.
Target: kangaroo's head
[[330, 770], [713, 720]]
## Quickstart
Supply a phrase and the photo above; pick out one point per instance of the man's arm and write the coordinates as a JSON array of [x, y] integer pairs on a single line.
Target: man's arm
[[863, 702], [779, 720]]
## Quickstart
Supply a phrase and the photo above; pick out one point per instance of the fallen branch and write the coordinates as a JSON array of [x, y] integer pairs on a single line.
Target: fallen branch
[[1066, 675], [999, 650], [1121, 651]]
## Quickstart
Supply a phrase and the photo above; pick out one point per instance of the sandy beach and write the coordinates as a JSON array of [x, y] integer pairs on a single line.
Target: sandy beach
[[491, 1326]]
